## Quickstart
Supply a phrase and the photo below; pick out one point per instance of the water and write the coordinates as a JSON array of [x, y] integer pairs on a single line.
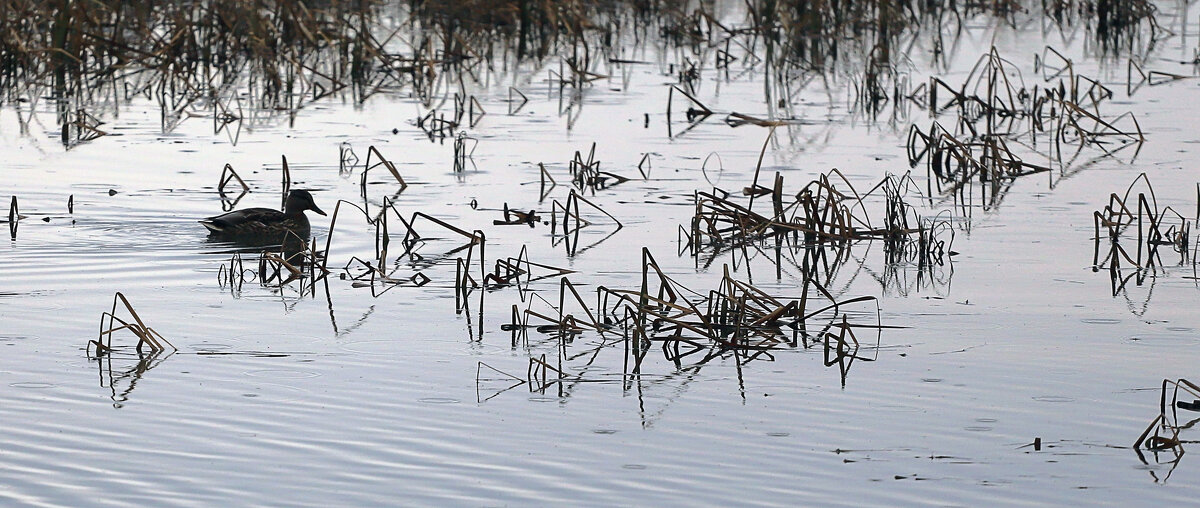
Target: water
[[347, 395]]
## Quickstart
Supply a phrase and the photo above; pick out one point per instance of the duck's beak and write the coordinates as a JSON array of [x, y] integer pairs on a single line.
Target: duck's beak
[[315, 208]]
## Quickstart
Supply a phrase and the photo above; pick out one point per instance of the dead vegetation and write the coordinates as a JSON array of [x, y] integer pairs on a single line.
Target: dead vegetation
[[1164, 438], [1133, 233], [246, 63], [242, 64], [147, 337], [734, 319], [1001, 123]]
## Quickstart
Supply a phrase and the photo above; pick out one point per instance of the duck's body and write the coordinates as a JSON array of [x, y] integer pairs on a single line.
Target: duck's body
[[257, 222], [266, 223]]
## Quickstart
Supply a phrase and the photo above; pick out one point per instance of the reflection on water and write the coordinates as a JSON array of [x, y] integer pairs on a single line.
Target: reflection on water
[[804, 327], [1140, 240], [1161, 443], [129, 371]]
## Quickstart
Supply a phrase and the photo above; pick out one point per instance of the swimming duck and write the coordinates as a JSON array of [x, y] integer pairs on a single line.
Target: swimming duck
[[266, 222]]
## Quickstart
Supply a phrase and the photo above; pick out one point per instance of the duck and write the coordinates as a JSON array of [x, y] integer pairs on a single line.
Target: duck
[[266, 223]]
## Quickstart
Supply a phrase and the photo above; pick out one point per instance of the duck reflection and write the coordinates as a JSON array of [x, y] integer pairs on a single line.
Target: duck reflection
[[291, 248]]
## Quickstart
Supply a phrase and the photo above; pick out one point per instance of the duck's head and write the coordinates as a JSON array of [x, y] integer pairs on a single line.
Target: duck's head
[[300, 200]]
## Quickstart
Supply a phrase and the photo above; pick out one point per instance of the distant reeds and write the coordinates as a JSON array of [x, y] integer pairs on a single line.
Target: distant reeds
[[243, 61]]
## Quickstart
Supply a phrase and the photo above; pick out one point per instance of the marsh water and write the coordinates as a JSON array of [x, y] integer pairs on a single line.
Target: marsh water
[[350, 391]]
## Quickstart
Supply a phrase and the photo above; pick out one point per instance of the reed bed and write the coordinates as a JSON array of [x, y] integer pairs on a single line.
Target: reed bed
[[828, 216], [242, 63], [735, 318]]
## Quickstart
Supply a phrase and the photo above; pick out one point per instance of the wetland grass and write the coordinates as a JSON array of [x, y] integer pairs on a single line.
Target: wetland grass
[[239, 62], [224, 60]]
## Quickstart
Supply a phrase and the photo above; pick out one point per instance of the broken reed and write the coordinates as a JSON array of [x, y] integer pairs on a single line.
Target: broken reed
[[1138, 219], [998, 122], [827, 211], [147, 337], [14, 215], [1163, 432], [734, 318], [378, 270]]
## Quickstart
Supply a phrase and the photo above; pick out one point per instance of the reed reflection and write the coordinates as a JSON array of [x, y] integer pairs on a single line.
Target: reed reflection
[[1163, 438]]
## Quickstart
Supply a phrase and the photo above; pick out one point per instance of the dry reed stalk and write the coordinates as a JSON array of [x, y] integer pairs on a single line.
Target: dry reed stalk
[[461, 153], [146, 336], [385, 163], [347, 159], [229, 175], [1163, 432], [571, 210], [524, 100], [1155, 228]]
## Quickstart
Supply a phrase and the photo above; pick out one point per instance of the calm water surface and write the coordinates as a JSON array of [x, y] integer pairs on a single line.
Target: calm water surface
[[344, 396]]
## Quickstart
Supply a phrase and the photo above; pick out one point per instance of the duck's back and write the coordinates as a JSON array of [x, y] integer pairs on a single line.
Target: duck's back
[[257, 221]]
